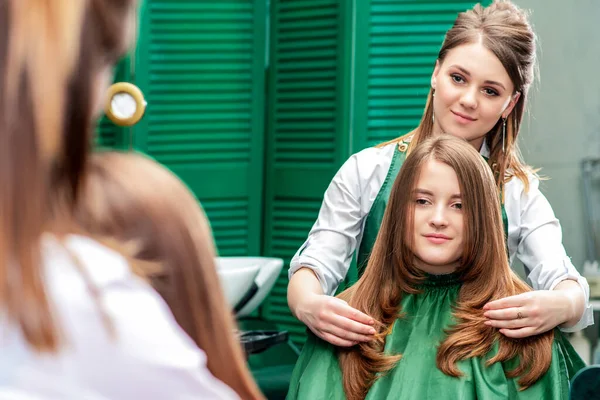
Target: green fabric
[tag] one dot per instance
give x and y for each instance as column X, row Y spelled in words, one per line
column 317, row 374
column 375, row 217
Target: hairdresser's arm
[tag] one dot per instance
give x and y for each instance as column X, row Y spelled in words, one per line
column 575, row 299
column 330, row 318
column 541, row 310
column 323, row 260
column 334, row 236
column 561, row 296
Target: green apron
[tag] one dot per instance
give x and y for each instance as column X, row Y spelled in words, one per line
column 375, row 217
column 317, row 375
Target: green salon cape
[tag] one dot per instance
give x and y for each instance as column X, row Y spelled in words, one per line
column 317, row 375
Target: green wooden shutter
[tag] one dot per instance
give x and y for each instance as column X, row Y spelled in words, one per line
column 200, row 64
column 307, row 135
column 397, row 42
column 107, row 134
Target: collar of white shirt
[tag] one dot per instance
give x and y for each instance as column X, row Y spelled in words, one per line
column 485, row 150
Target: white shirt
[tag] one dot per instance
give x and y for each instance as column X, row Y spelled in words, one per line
column 150, row 357
column 534, row 233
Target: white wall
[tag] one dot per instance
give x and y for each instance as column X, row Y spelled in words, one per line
column 563, row 125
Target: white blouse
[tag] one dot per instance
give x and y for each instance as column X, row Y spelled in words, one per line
column 534, row 233
column 150, row 357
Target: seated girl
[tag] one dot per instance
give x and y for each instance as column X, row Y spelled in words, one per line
column 439, row 258
column 144, row 211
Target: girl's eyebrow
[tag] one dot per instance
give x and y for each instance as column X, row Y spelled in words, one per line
column 430, row 193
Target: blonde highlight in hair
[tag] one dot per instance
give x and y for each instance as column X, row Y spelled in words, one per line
column 132, row 200
column 484, row 270
column 43, row 46
column 38, row 51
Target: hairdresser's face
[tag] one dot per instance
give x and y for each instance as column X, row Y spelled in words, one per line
column 438, row 219
column 472, row 92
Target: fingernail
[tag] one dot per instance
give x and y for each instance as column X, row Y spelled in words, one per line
column 371, row 322
column 485, row 314
column 488, row 323
column 372, row 331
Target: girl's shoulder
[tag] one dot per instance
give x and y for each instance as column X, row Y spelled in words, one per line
column 74, row 255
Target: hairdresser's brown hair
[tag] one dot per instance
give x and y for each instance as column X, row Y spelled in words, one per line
column 484, row 272
column 50, row 54
column 133, row 200
column 504, row 29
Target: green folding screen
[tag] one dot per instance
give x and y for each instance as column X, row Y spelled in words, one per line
column 201, row 67
column 307, row 135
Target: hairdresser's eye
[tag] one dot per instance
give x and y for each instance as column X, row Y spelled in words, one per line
column 490, row 92
column 457, row 78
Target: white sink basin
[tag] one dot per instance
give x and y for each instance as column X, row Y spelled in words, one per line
column 236, row 277
column 249, row 279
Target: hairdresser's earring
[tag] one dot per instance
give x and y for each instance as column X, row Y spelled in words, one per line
column 432, row 114
column 503, row 133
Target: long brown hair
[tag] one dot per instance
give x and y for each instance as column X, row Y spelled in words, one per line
column 133, row 200
column 484, row 272
column 504, row 29
column 50, row 55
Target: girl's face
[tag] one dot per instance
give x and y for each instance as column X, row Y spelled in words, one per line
column 438, row 237
column 472, row 92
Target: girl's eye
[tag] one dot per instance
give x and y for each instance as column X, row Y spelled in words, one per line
column 458, row 206
column 422, row 202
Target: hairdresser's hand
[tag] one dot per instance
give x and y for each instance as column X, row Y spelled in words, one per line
column 334, row 321
column 528, row 314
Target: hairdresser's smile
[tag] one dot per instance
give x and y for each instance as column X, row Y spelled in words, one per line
column 463, row 118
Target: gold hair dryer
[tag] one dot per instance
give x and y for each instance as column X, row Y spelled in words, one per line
column 125, row 104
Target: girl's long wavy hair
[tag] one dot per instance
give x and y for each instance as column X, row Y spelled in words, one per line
column 138, row 207
column 484, row 268
column 504, row 29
